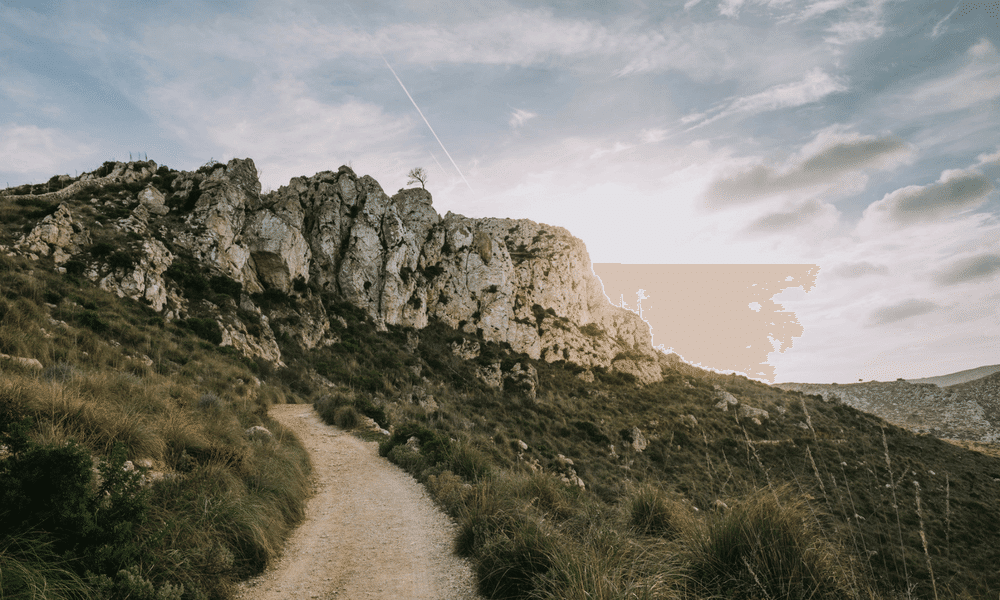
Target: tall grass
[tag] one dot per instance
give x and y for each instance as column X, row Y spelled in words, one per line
column 219, row 504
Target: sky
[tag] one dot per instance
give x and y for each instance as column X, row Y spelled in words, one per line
column 857, row 135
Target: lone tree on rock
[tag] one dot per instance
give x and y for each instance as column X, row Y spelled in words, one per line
column 417, row 175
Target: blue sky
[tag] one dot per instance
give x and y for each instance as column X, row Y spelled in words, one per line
column 859, row 135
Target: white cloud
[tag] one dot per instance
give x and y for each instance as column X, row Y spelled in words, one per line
column 833, row 157
column 974, row 268
column 811, row 212
column 287, row 131
column 520, row 117
column 912, row 307
column 814, row 86
column 975, row 81
column 860, row 269
column 40, row 151
column 956, row 191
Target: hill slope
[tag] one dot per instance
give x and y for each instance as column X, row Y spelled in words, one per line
column 959, row 377
column 578, row 462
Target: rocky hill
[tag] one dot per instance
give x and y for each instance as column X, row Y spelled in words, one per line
column 959, row 377
column 518, row 282
column 155, row 315
column 965, row 411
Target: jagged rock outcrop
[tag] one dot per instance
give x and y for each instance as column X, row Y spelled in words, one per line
column 59, row 234
column 143, row 279
column 526, row 284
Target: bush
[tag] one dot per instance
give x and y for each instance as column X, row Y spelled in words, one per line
column 469, row 462
column 652, row 513
column 48, row 492
column 763, row 546
column 188, row 276
column 206, row 329
column 346, row 417
column 434, row 446
column 209, row 401
column 221, row 284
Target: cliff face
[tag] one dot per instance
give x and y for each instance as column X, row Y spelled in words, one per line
column 515, row 281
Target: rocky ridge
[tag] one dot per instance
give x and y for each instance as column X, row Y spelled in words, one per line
column 518, row 282
column 967, row 411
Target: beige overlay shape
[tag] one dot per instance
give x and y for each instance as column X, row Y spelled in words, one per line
column 706, row 313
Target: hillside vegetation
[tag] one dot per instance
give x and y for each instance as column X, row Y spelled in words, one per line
column 566, row 481
column 818, row 501
column 199, row 505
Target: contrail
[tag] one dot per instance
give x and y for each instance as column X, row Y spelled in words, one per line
column 438, row 162
column 937, row 28
column 407, row 92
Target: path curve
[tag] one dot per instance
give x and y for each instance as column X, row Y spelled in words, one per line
column 370, row 530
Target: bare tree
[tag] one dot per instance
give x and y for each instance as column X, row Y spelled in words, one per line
column 417, row 175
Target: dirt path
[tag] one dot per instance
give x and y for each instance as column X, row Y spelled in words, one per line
column 371, row 531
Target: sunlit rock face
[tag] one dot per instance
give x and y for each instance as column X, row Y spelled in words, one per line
column 515, row 281
column 527, row 284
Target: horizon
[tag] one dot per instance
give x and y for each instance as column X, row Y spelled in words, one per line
column 855, row 135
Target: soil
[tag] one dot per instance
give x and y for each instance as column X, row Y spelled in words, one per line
column 370, row 530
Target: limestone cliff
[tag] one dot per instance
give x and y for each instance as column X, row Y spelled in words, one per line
column 515, row 281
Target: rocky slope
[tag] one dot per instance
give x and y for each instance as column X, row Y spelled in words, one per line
column 966, row 411
column 191, row 235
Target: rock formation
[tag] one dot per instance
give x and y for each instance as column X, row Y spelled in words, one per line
column 518, row 282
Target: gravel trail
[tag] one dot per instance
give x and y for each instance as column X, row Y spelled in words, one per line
column 370, row 530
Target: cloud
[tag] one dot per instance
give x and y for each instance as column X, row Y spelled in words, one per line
column 814, row 86
column 281, row 124
column 903, row 310
column 28, row 149
column 955, row 191
column 783, row 221
column 860, row 269
column 826, row 160
column 520, row 117
column 974, row 82
column 980, row 267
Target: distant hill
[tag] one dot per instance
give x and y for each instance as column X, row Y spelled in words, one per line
column 966, row 410
column 959, row 377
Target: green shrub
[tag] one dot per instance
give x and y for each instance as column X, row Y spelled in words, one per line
column 207, row 329
column 91, row 319
column 652, row 513
column 49, row 492
column 121, row 260
column 221, row 284
column 510, row 560
column 469, row 462
column 435, row 446
column 346, row 417
column 762, row 547
column 188, row 276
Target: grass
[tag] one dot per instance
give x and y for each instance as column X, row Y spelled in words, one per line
column 818, row 501
column 809, row 511
column 218, row 504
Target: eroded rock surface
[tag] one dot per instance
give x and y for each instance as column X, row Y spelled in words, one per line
column 526, row 284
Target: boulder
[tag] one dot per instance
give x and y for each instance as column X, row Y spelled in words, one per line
column 491, row 375
column 30, row 363
column 725, row 400
column 638, row 441
column 467, row 350
column 757, row 415
column 153, row 200
column 258, row 433
column 59, row 234
column 523, row 380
